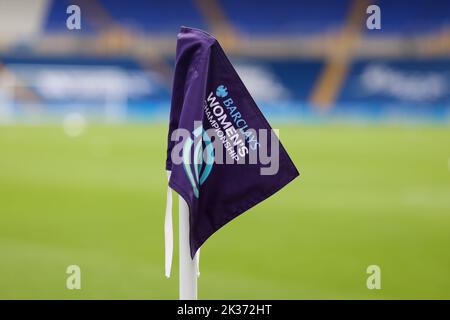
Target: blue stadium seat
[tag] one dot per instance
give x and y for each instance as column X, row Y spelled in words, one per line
column 57, row 16
column 157, row 17
column 285, row 16
column 412, row 17
column 252, row 17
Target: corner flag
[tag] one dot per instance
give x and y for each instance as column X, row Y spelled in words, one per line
column 219, row 143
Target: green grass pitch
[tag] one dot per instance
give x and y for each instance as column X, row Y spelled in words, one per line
column 376, row 194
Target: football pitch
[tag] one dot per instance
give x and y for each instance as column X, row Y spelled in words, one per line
column 367, row 195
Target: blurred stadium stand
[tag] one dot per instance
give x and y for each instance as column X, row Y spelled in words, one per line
column 301, row 59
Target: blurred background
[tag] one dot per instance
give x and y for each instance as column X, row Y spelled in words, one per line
column 364, row 114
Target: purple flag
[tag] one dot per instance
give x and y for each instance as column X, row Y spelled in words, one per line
column 219, row 143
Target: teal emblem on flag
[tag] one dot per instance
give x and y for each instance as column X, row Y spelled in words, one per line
column 221, row 91
column 202, row 167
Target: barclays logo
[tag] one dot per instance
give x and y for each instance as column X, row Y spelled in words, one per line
column 199, row 169
column 221, row 91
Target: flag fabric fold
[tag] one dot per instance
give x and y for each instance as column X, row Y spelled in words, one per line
column 211, row 103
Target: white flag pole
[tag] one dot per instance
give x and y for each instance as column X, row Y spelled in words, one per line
column 188, row 270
